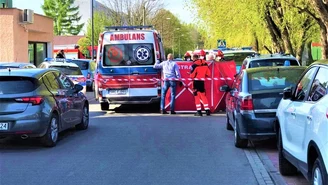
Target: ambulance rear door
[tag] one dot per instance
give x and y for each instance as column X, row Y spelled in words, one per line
column 143, row 77
column 129, row 57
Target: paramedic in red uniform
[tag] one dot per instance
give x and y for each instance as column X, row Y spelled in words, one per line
column 200, row 70
column 220, row 56
column 187, row 57
column 170, row 70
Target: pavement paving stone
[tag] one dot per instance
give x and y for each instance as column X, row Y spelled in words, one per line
column 258, row 168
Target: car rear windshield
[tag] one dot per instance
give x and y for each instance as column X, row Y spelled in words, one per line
column 128, row 54
column 271, row 62
column 17, row 85
column 273, row 79
column 68, row 70
column 84, row 65
column 237, row 57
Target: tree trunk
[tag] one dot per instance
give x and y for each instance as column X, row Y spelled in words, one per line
column 310, row 59
column 256, row 44
column 287, row 42
column 299, row 52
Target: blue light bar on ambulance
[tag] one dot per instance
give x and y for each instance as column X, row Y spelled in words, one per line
column 116, row 28
column 247, row 48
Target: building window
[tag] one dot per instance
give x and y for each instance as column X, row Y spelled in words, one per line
column 37, row 52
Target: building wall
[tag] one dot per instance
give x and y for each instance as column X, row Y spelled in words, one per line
column 16, row 36
column 6, row 35
column 85, row 11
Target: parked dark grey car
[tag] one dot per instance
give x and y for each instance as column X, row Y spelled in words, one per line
column 252, row 102
column 35, row 103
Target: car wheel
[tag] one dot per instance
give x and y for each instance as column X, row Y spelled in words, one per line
column 104, row 106
column 285, row 167
column 85, row 119
column 239, row 143
column 228, row 126
column 51, row 136
column 319, row 174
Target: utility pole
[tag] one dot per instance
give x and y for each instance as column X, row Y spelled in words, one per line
column 92, row 30
column 144, row 14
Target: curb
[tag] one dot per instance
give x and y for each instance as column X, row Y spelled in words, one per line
column 270, row 168
column 261, row 174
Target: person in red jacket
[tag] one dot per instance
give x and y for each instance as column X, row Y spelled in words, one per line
column 187, row 57
column 220, row 56
column 200, row 70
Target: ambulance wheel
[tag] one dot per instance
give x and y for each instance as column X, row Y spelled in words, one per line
column 229, row 127
column 104, row 106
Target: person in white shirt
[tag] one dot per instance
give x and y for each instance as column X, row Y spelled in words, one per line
column 170, row 70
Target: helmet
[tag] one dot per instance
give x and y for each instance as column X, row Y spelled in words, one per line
column 202, row 53
column 220, row 54
column 187, row 54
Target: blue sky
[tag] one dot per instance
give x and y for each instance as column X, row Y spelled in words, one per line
column 175, row 6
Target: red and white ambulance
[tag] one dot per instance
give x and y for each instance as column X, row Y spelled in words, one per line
column 125, row 59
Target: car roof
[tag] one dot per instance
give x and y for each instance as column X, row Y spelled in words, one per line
column 70, row 64
column 238, row 51
column 16, row 64
column 259, row 69
column 271, row 56
column 86, row 60
column 34, row 72
column 320, row 62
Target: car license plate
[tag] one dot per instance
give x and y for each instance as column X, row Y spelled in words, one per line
column 118, row 91
column 4, row 126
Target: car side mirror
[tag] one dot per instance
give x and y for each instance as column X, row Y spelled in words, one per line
column 78, row 88
column 287, row 93
column 225, row 88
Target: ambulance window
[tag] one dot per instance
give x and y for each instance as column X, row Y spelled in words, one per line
column 129, row 54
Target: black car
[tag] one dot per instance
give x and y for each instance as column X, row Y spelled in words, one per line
column 252, row 101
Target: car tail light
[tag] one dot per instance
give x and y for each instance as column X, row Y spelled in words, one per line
column 159, row 84
column 157, row 46
column 88, row 76
column 34, row 100
column 247, row 103
column 327, row 113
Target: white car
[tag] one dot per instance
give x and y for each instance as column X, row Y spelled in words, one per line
column 302, row 126
column 71, row 70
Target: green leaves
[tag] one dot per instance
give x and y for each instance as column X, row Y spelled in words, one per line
column 65, row 16
column 277, row 24
column 100, row 20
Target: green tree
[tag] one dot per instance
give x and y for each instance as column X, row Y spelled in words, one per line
column 177, row 37
column 100, row 20
column 65, row 15
column 267, row 25
column 83, row 44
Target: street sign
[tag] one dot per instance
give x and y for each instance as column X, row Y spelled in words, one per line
column 222, row 43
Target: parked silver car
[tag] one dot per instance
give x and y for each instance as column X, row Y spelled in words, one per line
column 36, row 103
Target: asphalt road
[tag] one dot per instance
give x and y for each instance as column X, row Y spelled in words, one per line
column 131, row 148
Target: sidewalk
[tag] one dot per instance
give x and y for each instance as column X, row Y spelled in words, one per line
column 268, row 154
